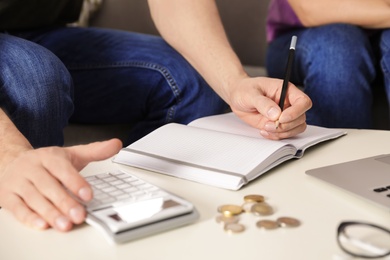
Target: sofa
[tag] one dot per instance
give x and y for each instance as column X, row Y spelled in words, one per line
column 244, row 22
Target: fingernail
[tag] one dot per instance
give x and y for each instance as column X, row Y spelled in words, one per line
column 62, row 223
column 85, row 193
column 264, row 133
column 273, row 113
column 77, row 214
column 270, row 126
column 39, row 223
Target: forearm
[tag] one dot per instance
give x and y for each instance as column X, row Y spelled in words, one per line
column 366, row 13
column 194, row 29
column 11, row 140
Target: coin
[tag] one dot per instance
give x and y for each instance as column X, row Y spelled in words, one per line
column 288, row 222
column 267, row 224
column 262, row 209
column 230, row 209
column 247, row 206
column 234, row 228
column 227, row 220
column 254, row 198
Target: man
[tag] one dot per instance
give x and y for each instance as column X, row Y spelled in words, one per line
column 117, row 77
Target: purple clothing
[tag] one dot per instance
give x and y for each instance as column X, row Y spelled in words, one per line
column 281, row 18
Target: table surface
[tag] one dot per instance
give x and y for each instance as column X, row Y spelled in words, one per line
column 319, row 206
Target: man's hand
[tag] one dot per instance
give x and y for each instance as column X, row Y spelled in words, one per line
column 33, row 184
column 255, row 101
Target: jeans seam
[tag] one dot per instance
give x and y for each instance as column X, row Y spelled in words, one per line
column 385, row 49
column 139, row 64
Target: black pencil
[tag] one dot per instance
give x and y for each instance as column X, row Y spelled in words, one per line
column 287, row 75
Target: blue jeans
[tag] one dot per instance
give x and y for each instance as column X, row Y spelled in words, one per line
column 338, row 66
column 90, row 75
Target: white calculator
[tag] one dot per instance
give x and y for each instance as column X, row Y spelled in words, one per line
column 125, row 207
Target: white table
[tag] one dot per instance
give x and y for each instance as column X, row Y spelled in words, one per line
column 320, row 207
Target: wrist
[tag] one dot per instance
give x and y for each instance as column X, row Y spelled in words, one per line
column 231, row 84
column 13, row 141
column 10, row 152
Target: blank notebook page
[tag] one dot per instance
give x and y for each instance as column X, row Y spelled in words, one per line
column 207, row 148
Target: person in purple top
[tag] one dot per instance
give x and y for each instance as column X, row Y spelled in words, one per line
column 342, row 52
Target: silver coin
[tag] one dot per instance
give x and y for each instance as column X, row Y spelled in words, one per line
column 234, row 228
column 247, row 206
column 288, row 222
column 262, row 209
column 267, row 224
column 222, row 219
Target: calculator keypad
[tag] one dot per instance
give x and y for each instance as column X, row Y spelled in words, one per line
column 117, row 187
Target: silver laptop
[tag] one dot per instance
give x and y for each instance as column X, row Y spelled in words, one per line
column 368, row 178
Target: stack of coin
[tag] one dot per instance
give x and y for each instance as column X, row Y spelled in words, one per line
column 229, row 218
column 256, row 205
column 250, row 200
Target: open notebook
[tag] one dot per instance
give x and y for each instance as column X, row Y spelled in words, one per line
column 220, row 150
column 368, row 178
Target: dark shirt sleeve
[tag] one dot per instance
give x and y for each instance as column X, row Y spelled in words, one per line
column 34, row 14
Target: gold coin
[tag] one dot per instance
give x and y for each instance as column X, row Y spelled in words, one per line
column 267, row 224
column 227, row 220
column 234, row 228
column 254, row 198
column 288, row 222
column 230, row 210
column 262, row 209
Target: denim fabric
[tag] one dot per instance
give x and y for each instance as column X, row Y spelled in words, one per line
column 337, row 65
column 118, row 77
column 35, row 90
column 384, row 49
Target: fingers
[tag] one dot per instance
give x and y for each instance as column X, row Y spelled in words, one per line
column 36, row 186
column 268, row 108
column 32, row 209
column 81, row 155
column 23, row 214
column 299, row 103
column 45, row 200
column 66, row 211
column 255, row 102
column 283, row 131
column 62, row 169
column 42, row 206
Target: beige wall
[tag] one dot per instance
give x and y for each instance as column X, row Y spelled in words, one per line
column 244, row 21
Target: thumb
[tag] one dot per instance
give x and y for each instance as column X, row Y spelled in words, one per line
column 81, row 155
column 268, row 108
